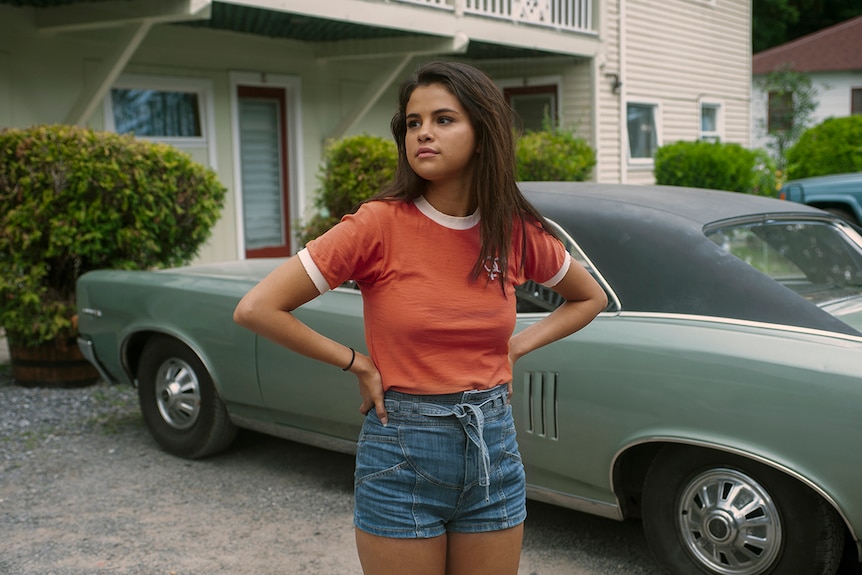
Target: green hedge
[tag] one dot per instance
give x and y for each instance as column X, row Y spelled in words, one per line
column 74, row 200
column 715, row 165
column 832, row 147
column 554, row 155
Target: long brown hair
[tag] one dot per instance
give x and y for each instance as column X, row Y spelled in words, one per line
column 494, row 190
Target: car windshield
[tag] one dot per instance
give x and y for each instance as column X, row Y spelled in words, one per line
column 819, row 260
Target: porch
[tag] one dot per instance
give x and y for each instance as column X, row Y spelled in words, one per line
column 564, row 15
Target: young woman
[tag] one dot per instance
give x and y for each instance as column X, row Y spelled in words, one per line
column 439, row 484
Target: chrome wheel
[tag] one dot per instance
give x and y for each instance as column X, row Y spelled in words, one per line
column 178, row 393
column 729, row 523
column 179, row 401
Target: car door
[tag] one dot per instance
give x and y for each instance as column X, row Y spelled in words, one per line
column 306, row 394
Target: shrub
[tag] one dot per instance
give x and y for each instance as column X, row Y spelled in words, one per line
column 73, row 200
column 767, row 178
column 711, row 165
column 832, row 147
column 553, row 155
column 353, row 169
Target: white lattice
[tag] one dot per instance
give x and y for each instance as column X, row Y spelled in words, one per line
column 538, row 11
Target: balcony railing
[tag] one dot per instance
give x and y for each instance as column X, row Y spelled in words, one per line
column 573, row 15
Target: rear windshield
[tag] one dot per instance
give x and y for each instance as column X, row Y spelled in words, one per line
column 819, row 260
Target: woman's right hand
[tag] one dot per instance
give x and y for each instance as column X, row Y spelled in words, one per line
column 370, row 386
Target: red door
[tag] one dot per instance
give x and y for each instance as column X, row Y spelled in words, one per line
column 263, row 161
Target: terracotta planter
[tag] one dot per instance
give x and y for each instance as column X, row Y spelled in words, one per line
column 54, row 364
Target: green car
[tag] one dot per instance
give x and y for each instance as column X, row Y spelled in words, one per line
column 717, row 398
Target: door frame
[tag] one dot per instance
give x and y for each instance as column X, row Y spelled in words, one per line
column 292, row 130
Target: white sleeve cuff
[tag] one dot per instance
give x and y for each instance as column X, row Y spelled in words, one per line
column 313, row 271
column 558, row 277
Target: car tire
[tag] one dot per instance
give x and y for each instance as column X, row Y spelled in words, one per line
column 693, row 518
column 179, row 402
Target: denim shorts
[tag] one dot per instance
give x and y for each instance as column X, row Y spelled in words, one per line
column 443, row 463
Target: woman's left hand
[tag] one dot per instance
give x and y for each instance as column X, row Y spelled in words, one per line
column 370, row 386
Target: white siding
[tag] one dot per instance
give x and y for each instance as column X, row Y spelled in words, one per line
column 611, row 152
column 676, row 53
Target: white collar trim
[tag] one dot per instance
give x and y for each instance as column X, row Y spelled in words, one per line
column 445, row 220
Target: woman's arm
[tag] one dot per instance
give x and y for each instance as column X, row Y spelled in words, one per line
column 267, row 310
column 584, row 297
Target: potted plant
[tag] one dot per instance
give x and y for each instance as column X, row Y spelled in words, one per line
column 73, row 200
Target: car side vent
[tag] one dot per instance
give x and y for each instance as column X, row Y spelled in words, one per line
column 540, row 404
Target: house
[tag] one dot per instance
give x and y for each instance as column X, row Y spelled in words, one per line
column 831, row 57
column 255, row 88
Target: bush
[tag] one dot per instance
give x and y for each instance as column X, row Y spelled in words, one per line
column 767, row 178
column 553, row 155
column 74, row 200
column 832, row 147
column 353, row 169
column 711, row 165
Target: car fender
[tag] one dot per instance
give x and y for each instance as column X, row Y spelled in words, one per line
column 757, row 453
column 846, row 200
column 134, row 337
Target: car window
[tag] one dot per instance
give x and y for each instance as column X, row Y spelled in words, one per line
column 819, row 260
column 535, row 298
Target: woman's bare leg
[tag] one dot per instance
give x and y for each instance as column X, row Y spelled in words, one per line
column 388, row 556
column 490, row 553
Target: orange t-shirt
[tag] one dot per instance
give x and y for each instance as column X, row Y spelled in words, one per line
column 429, row 327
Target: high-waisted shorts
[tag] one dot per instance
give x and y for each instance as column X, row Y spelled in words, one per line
column 443, row 463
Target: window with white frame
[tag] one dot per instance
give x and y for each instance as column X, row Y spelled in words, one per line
column 711, row 121
column 856, row 101
column 173, row 110
column 641, row 120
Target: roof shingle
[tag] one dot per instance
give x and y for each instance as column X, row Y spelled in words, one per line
column 837, row 48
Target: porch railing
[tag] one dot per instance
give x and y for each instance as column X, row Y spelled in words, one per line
column 574, row 15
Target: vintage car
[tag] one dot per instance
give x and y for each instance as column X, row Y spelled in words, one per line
column 717, row 398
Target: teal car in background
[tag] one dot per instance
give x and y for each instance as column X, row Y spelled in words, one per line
column 839, row 194
column 718, row 398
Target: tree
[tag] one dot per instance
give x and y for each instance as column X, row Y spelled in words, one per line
column 775, row 22
column 782, row 126
column 770, row 22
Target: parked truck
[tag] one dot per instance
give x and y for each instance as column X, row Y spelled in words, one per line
column 840, row 194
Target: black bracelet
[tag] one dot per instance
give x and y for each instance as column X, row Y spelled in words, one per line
column 352, row 357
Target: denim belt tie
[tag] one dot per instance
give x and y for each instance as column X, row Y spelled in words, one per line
column 474, row 427
column 472, row 419
column 470, row 416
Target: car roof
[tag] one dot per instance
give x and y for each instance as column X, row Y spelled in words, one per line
column 827, row 181
column 648, row 242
